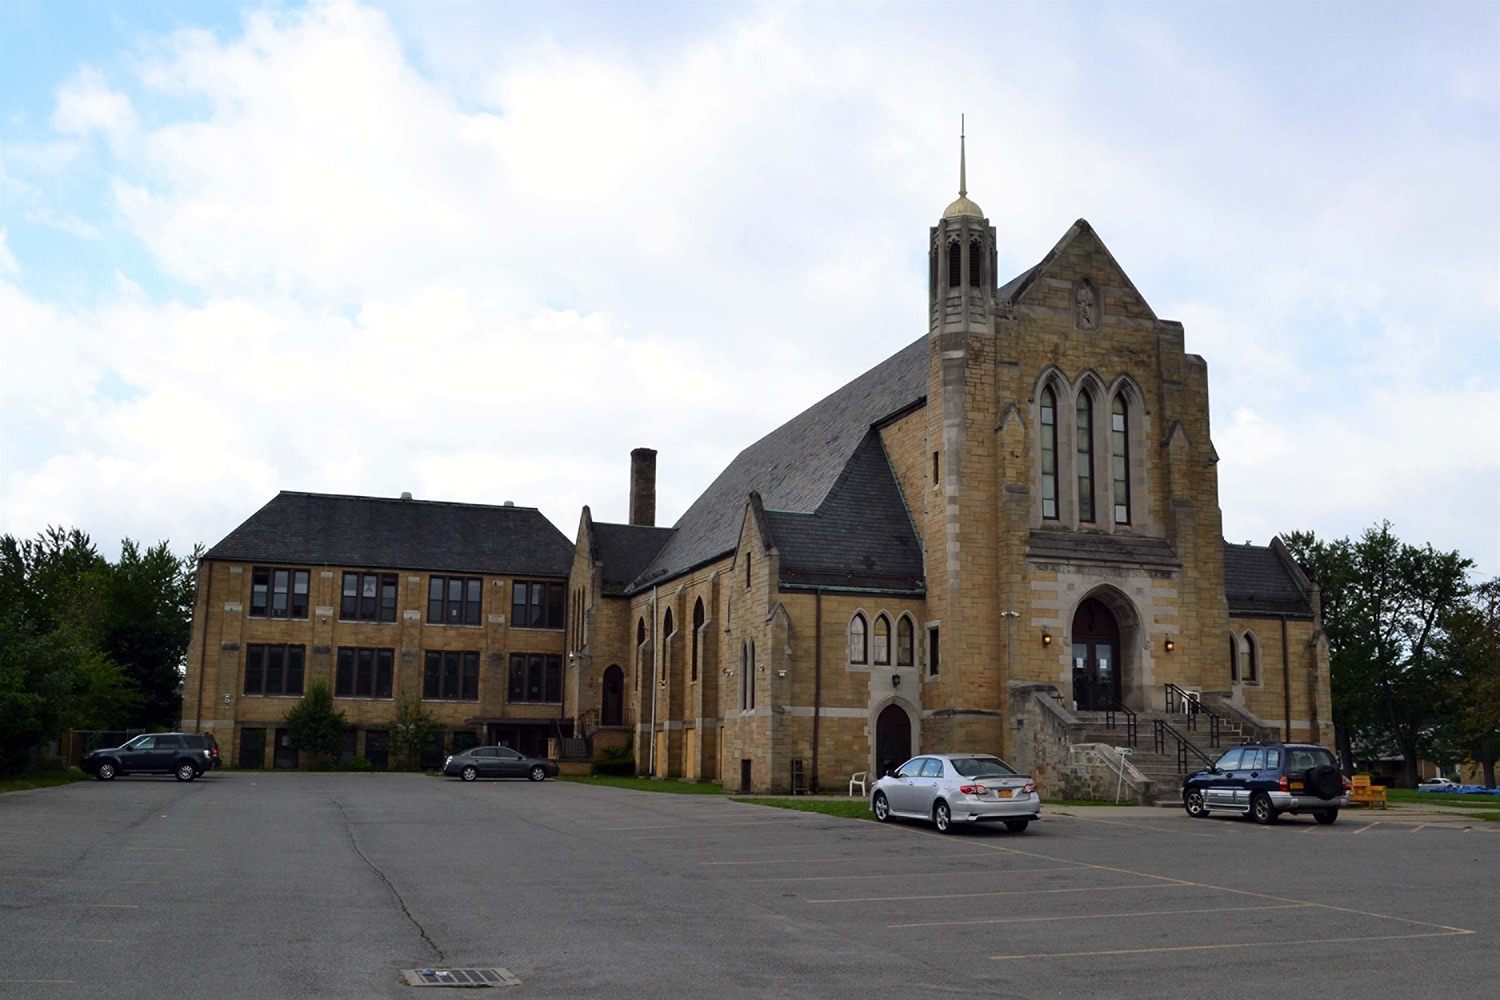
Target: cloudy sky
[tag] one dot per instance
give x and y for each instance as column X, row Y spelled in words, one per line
column 479, row 252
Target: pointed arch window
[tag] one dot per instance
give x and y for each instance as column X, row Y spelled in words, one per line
column 1119, row 442
column 955, row 263
column 697, row 627
column 1049, row 454
column 882, row 641
column 640, row 651
column 666, row 624
column 1249, row 660
column 1234, row 659
column 1085, row 431
column 976, row 264
column 858, row 640
column 905, row 642
column 744, row 675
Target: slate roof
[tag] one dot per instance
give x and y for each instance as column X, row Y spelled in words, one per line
column 860, row 538
column 625, row 550
column 323, row 529
column 795, row 466
column 1257, row 580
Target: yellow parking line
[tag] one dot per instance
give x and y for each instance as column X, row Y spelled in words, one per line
column 1364, row 828
column 1099, row 916
column 890, row 876
column 1002, row 892
column 1231, row 944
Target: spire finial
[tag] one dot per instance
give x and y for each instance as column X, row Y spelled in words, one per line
column 963, row 167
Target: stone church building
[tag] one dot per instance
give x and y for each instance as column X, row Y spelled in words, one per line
column 1005, row 537
column 1003, row 534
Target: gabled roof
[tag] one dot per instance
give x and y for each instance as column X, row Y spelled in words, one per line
column 794, row 467
column 1013, row 289
column 321, row 529
column 862, row 536
column 623, row 550
column 1258, row 580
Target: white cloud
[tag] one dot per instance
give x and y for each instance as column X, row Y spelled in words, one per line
column 86, row 104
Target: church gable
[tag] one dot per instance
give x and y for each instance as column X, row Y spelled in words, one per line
column 1080, row 275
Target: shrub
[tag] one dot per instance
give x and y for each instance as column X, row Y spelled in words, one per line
column 614, row 768
column 358, row 764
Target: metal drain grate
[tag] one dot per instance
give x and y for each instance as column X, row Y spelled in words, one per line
column 459, row 977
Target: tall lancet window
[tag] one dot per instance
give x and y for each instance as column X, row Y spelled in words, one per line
column 955, row 263
column 1049, row 455
column 976, row 263
column 1120, row 459
column 1085, row 430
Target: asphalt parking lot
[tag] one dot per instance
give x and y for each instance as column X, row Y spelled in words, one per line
column 322, row 885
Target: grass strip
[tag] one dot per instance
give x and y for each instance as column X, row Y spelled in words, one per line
column 1408, row 796
column 671, row 785
column 42, row 779
column 842, row 808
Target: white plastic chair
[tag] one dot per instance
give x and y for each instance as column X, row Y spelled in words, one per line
column 858, row 778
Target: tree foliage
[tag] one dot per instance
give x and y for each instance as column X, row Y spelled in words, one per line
column 86, row 643
column 413, row 732
column 1471, row 647
column 1385, row 603
column 313, row 725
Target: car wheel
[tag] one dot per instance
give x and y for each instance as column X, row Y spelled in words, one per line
column 185, row 772
column 538, row 773
column 1017, row 825
column 1193, row 803
column 1326, row 816
column 469, row 772
column 106, row 772
column 881, row 807
column 942, row 817
column 1261, row 809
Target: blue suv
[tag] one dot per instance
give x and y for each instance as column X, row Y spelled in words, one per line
column 1264, row 780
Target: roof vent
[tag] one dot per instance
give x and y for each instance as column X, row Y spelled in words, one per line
column 406, row 496
column 510, row 503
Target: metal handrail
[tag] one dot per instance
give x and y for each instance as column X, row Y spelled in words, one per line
column 1130, row 720
column 1161, row 729
column 1189, row 704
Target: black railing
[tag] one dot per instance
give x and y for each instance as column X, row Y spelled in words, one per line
column 1111, row 711
column 1183, row 702
column 1162, row 730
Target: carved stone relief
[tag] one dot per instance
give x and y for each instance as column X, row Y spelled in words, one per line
column 1086, row 305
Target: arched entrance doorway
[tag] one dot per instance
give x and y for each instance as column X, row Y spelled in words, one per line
column 611, row 713
column 1096, row 657
column 892, row 738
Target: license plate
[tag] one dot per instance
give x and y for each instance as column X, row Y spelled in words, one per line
column 1003, row 793
column 1296, row 786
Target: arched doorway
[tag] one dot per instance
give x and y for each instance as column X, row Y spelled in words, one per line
column 612, row 711
column 892, row 738
column 1096, row 657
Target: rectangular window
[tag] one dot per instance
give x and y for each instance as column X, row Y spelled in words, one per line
column 274, row 670
column 454, row 600
column 535, row 677
column 368, row 597
column 277, row 592
column 934, row 651
column 934, row 468
column 451, row 675
column 364, row 672
column 534, row 604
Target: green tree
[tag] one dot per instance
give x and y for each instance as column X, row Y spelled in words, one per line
column 413, row 732
column 313, row 726
column 1471, row 646
column 146, row 620
column 1384, row 602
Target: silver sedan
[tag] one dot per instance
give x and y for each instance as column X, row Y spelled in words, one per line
column 950, row 788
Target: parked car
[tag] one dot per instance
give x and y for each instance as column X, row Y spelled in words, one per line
column 950, row 788
column 1264, row 780
column 184, row 755
column 1436, row 785
column 497, row 762
column 212, row 745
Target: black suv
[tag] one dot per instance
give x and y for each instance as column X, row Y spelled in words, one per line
column 185, row 755
column 1264, row 780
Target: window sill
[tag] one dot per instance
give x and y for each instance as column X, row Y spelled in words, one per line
column 537, row 628
column 514, row 702
column 450, row 625
column 278, row 618
column 449, row 701
column 272, row 695
column 365, row 621
column 363, row 697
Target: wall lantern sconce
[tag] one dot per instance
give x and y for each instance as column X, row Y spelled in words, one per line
column 663, row 682
column 1046, row 638
column 226, row 698
column 781, row 673
column 1171, row 645
column 728, row 672
column 895, row 680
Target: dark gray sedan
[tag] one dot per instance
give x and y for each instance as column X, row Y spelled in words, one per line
column 497, row 762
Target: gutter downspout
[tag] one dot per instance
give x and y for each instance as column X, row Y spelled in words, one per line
column 1286, row 681
column 817, row 681
column 655, row 653
column 208, row 596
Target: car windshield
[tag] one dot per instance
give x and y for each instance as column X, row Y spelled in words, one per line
column 982, row 767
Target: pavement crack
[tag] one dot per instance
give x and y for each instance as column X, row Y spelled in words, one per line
column 405, row 911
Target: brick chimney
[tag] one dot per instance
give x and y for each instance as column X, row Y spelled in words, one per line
column 643, row 487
